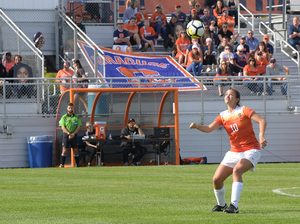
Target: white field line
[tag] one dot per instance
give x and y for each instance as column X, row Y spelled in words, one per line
column 280, row 191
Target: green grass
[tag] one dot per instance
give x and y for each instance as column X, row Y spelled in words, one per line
column 146, row 194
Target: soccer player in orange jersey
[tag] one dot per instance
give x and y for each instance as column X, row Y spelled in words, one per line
column 245, row 149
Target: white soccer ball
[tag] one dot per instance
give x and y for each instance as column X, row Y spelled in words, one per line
column 195, row 29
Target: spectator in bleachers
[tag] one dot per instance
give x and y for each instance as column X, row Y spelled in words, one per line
column 169, row 40
column 2, row 75
column 225, row 32
column 195, row 61
column 7, row 62
column 223, row 44
column 252, row 42
column 227, row 56
column 294, row 34
column 225, row 18
column 141, row 16
column 209, row 58
column 274, row 69
column 65, row 73
column 211, row 21
column 208, row 19
column 239, row 59
column 23, row 72
column 78, row 20
column 147, row 34
column 243, row 43
column 207, row 34
column 199, row 10
column 251, row 70
column 193, row 16
column 189, row 48
column 270, row 48
column 93, row 10
column 261, row 63
column 221, row 79
column 232, row 5
column 210, row 4
column 263, row 48
column 158, row 21
column 217, row 12
column 133, row 31
column 181, row 17
column 182, row 43
column 131, row 10
column 121, row 38
column 80, row 80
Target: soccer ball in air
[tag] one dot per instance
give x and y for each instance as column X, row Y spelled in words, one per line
column 195, row 29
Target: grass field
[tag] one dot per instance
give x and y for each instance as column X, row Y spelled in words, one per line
column 146, row 194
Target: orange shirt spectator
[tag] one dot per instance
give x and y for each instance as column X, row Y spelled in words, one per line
column 156, row 16
column 261, row 65
column 139, row 17
column 192, row 57
column 147, row 32
column 128, row 27
column 183, row 44
column 251, row 71
column 228, row 19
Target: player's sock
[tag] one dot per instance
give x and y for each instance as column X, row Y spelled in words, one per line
column 63, row 159
column 236, row 192
column 77, row 159
column 140, row 46
column 220, row 196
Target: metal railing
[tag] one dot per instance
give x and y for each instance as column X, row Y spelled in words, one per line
column 44, row 95
column 284, row 43
column 274, row 41
column 79, row 34
column 242, row 16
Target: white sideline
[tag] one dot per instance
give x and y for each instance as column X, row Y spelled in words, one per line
column 279, row 191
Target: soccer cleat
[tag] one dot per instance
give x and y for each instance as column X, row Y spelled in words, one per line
column 219, row 208
column 62, row 165
column 231, row 209
column 135, row 163
column 126, row 164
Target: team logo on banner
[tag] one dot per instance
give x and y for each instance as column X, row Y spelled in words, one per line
column 153, row 71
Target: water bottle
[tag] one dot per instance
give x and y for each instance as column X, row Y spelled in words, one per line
column 240, row 73
column 110, row 137
column 173, row 54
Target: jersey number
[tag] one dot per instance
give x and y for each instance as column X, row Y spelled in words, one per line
column 234, row 127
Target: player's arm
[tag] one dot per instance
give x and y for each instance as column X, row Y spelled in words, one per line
column 262, row 128
column 205, row 128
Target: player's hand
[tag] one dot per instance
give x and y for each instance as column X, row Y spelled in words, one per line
column 136, row 126
column 263, row 141
column 193, row 125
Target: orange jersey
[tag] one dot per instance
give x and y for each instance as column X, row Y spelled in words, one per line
column 139, row 17
column 228, row 20
column 9, row 65
column 128, row 27
column 238, row 126
column 191, row 57
column 147, row 32
column 261, row 65
column 183, row 45
column 251, row 72
column 155, row 16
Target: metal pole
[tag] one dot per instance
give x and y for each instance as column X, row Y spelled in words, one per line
column 270, row 13
column 75, row 44
column 284, row 15
column 56, row 40
column 96, row 63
